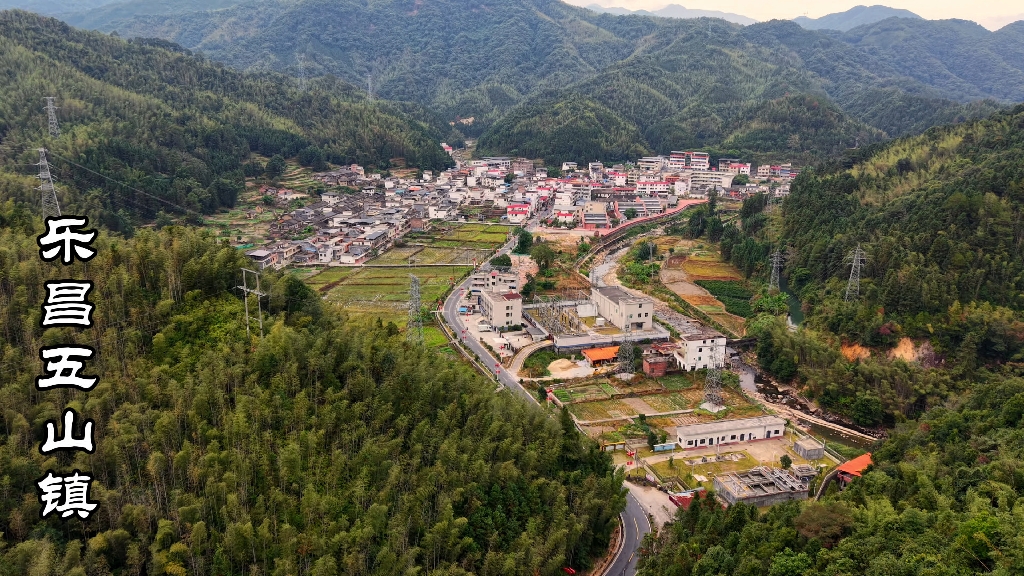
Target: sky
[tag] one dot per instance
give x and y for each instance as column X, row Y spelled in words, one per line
column 992, row 14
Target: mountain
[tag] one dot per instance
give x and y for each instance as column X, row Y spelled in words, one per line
column 149, row 114
column 854, row 17
column 676, row 82
column 92, row 18
column 327, row 446
column 675, row 11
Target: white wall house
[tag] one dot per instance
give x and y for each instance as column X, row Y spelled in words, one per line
column 501, row 310
column 711, row 434
column 696, row 351
column 623, row 309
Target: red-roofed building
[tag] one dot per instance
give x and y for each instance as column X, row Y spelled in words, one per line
column 853, row 468
column 599, row 356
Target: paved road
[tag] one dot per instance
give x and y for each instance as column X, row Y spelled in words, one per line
column 635, row 522
column 635, row 525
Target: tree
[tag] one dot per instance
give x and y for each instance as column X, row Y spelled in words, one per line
column 510, row 178
column 543, row 255
column 741, row 180
column 503, row 261
column 525, row 242
column 630, row 213
column 786, row 461
column 276, row 166
column 542, row 394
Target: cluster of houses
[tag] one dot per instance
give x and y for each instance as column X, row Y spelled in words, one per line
column 361, row 214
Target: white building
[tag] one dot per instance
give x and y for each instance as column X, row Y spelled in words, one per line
column 652, row 163
column 501, row 310
column 623, row 309
column 653, row 188
column 729, row 431
column 697, row 350
column 494, row 281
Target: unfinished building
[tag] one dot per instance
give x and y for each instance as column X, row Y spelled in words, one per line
column 762, row 486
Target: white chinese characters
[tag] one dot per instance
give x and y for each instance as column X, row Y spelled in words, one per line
column 66, row 495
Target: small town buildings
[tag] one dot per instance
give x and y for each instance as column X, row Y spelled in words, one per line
column 718, row 432
column 596, row 357
column 622, row 309
column 501, row 310
column 494, row 281
column 705, row 349
column 762, row 486
column 263, row 258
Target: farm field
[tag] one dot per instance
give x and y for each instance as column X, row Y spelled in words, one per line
column 710, row 285
column 452, row 235
column 383, row 292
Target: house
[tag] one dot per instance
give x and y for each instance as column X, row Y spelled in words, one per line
column 501, row 310
column 654, row 188
column 518, row 213
column 689, row 160
column 596, row 357
column 263, row 258
column 595, row 216
column 622, row 309
column 708, row 434
column 809, row 449
column 652, row 163
column 494, row 281
column 697, row 351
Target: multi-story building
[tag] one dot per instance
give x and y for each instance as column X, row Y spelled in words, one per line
column 689, row 161
column 652, row 163
column 494, row 281
column 655, row 188
column 701, row 350
column 502, row 310
column 622, row 309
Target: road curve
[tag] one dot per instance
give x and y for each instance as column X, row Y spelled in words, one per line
column 635, row 525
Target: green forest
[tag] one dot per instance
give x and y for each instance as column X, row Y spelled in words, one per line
column 181, row 128
column 530, row 73
column 325, row 447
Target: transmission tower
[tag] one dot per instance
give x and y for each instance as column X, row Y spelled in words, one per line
column 51, row 115
column 246, row 291
column 857, row 258
column 414, row 330
column 713, row 381
column 626, row 352
column 49, row 194
column 776, row 260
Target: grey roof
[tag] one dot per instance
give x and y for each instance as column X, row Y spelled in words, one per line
column 726, row 425
column 616, row 294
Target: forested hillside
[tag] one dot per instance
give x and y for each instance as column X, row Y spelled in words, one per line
column 325, row 448
column 944, row 499
column 175, row 125
column 940, row 218
column 678, row 83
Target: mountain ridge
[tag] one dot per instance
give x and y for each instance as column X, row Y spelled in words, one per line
column 854, row 17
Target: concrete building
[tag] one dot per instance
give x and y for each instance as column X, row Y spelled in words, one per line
column 809, row 449
column 494, row 281
column 761, row 486
column 622, row 309
column 600, row 356
column 502, row 310
column 729, row 431
column 697, row 350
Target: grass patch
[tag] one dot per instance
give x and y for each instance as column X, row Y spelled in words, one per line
column 608, row 389
column 536, row 364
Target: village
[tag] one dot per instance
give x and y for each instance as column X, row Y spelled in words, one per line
column 660, row 390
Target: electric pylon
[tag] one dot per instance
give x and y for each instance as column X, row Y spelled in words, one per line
column 776, row 259
column 246, row 291
column 51, row 116
column 713, row 381
column 414, row 330
column 49, row 194
column 857, row 258
column 626, row 352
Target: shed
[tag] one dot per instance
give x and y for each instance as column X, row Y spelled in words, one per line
column 809, row 449
column 598, row 356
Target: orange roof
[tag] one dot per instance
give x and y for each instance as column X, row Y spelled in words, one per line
column 857, row 465
column 608, row 353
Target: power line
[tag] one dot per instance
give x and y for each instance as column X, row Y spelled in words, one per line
column 857, row 258
column 776, row 259
column 713, row 381
column 51, row 209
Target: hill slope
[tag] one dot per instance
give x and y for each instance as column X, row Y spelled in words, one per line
column 325, row 447
column 854, row 17
column 176, row 125
column 675, row 11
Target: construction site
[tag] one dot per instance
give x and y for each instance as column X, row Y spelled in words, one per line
column 762, row 486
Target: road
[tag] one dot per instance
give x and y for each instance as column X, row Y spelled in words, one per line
column 454, row 319
column 635, row 525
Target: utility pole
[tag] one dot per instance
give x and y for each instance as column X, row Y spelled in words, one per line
column 857, row 258
column 49, row 194
column 776, row 259
column 246, row 291
column 51, row 116
column 414, row 330
column 626, row 351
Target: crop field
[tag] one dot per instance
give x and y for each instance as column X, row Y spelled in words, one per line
column 383, row 292
column 674, row 401
column 478, row 236
column 601, row 410
column 708, row 266
column 431, row 255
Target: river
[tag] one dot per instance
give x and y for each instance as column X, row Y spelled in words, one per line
column 796, row 313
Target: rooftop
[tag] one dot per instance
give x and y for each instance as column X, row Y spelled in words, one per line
column 598, row 354
column 856, row 466
column 616, row 294
column 724, row 425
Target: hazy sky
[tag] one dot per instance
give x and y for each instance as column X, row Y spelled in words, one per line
column 993, row 14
